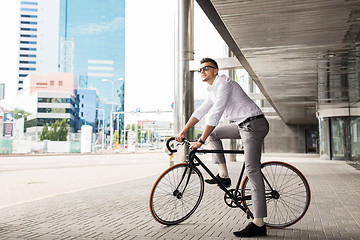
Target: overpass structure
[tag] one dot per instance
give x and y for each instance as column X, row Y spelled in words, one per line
column 303, row 55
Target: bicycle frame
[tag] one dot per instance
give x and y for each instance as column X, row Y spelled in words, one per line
column 192, row 156
column 235, row 199
column 287, row 191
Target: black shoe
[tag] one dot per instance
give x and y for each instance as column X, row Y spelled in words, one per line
column 251, row 230
column 225, row 181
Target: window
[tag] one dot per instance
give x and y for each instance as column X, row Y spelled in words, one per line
column 27, row 22
column 27, row 35
column 27, row 55
column 28, row 42
column 54, row 110
column 338, row 137
column 28, row 62
column 28, row 29
column 29, row 3
column 29, row 9
column 28, row 16
column 52, row 83
column 29, row 69
column 355, row 136
column 28, row 49
column 60, row 83
column 54, row 100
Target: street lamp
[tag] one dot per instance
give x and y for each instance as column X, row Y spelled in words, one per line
column 22, row 115
column 103, row 124
column 112, row 109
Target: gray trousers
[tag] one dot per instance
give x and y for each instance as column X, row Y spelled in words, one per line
column 252, row 134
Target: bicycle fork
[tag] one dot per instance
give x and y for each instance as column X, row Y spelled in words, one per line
column 179, row 193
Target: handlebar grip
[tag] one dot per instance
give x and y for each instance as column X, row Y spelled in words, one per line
column 172, row 150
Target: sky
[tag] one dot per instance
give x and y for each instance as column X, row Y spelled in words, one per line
column 9, row 23
column 149, row 53
column 149, row 44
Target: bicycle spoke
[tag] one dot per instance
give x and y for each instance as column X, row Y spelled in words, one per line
column 176, row 195
column 291, row 198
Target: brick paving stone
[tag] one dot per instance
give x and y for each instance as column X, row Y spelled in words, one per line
column 121, row 211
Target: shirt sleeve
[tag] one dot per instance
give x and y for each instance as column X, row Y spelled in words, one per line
column 203, row 109
column 221, row 99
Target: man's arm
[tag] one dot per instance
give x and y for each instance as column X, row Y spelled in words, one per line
column 192, row 122
column 207, row 131
column 204, row 136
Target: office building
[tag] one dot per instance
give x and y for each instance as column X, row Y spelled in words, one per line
column 48, row 98
column 87, row 106
column 50, row 107
column 86, row 38
column 92, row 37
column 39, row 34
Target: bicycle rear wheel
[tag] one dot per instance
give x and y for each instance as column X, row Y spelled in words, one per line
column 287, row 194
column 176, row 194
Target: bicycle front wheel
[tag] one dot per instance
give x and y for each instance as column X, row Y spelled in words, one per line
column 287, row 194
column 176, row 194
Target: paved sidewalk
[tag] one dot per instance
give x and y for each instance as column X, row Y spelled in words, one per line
column 121, row 211
column 29, row 178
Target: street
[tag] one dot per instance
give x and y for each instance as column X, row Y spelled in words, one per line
column 29, row 178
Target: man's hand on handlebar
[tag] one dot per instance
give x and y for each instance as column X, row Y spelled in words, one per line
column 195, row 145
column 180, row 137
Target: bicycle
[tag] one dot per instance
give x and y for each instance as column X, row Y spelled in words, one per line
column 178, row 191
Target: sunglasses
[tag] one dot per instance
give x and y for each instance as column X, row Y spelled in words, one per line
column 205, row 68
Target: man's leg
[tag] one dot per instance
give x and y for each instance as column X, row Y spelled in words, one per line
column 253, row 134
column 252, row 158
column 230, row 131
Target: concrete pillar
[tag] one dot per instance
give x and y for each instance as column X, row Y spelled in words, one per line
column 232, row 142
column 184, row 78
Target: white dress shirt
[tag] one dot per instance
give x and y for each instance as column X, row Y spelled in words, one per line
column 225, row 96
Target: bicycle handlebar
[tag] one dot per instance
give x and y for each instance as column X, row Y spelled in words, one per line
column 172, row 150
column 168, row 145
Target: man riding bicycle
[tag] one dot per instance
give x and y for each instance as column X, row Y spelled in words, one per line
column 226, row 97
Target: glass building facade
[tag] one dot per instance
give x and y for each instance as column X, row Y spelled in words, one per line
column 339, row 106
column 92, row 45
column 340, row 137
column 86, row 37
column 87, row 107
column 38, row 40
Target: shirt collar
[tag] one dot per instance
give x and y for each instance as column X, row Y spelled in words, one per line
column 211, row 87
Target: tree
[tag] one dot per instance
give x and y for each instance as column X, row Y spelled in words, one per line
column 45, row 133
column 115, row 139
column 63, row 130
column 58, row 131
column 55, row 130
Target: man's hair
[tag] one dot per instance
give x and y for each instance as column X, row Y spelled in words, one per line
column 204, row 60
